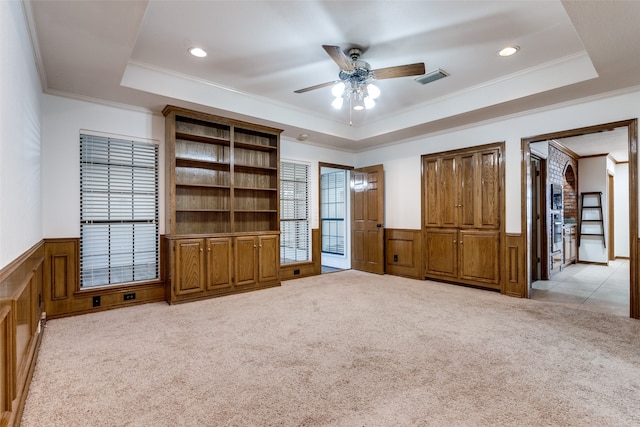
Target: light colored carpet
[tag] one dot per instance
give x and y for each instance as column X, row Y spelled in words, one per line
column 343, row 349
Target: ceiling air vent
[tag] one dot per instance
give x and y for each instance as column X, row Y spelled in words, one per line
column 432, row 76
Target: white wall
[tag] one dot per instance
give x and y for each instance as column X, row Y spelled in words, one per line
column 63, row 120
column 621, row 209
column 592, row 177
column 293, row 150
column 20, row 128
column 402, row 161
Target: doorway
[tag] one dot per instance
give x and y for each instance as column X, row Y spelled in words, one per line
column 630, row 130
column 335, row 212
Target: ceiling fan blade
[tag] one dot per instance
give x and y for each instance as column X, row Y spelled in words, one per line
column 339, row 57
column 416, row 69
column 319, row 86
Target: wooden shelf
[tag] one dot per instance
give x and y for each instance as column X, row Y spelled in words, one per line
column 204, row 164
column 222, row 174
column 202, row 138
column 257, row 147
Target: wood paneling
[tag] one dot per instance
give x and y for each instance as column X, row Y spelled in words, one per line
column 304, row 269
column 403, row 250
column 514, row 266
column 61, row 293
column 21, row 286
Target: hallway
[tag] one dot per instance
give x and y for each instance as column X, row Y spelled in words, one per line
column 592, row 287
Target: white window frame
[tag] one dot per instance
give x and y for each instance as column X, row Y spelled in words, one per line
column 119, row 211
column 295, row 224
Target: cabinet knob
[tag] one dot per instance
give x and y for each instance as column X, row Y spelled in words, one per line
column 254, row 246
column 455, row 241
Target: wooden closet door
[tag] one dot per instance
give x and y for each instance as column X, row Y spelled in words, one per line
column 367, row 219
column 488, row 193
column 431, row 192
column 449, row 192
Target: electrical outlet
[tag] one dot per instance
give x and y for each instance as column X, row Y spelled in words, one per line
column 296, row 271
column 96, row 301
column 395, row 258
column 129, row 297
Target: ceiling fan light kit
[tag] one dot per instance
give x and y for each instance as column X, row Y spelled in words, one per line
column 356, row 77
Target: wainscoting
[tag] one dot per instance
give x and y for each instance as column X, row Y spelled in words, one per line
column 62, row 294
column 304, row 269
column 403, row 253
column 514, row 279
column 21, row 307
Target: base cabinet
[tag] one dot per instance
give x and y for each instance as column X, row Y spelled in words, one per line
column 214, row 266
column 467, row 256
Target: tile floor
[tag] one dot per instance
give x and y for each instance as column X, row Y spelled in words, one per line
column 592, row 287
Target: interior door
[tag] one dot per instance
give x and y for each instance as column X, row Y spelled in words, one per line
column 367, row 219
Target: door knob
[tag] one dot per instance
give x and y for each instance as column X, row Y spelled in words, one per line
column 379, row 225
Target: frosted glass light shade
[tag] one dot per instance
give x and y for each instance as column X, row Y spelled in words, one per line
column 338, row 90
column 373, row 91
column 337, row 103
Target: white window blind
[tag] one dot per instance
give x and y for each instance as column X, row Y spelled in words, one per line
column 118, row 211
column 294, row 213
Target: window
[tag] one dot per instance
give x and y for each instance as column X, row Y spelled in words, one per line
column 118, row 211
column 332, row 211
column 294, row 213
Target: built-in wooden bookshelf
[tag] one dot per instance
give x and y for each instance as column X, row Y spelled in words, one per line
column 222, row 182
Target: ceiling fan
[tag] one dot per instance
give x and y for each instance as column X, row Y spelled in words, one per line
column 356, row 76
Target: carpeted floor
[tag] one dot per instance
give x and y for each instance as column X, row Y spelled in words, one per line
column 342, row 349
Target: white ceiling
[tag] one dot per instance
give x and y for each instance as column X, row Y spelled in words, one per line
column 135, row 53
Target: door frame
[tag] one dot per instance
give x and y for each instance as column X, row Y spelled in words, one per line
column 347, row 246
column 632, row 131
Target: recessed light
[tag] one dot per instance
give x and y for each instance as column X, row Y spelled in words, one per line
column 303, row 137
column 198, row 52
column 509, row 50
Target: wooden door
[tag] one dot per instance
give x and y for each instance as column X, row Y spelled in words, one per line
column 367, row 219
column 449, row 192
column 469, row 190
column 487, row 207
column 246, row 259
column 219, row 263
column 268, row 258
column 441, row 252
column 188, row 271
column 479, row 254
column 431, row 192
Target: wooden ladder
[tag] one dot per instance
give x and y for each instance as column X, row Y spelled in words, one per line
column 597, row 208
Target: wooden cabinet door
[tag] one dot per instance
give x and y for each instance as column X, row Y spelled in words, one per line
column 487, row 206
column 188, row 271
column 431, row 192
column 449, row 192
column 219, row 263
column 246, row 260
column 468, row 187
column 479, row 253
column 441, row 255
column 268, row 258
